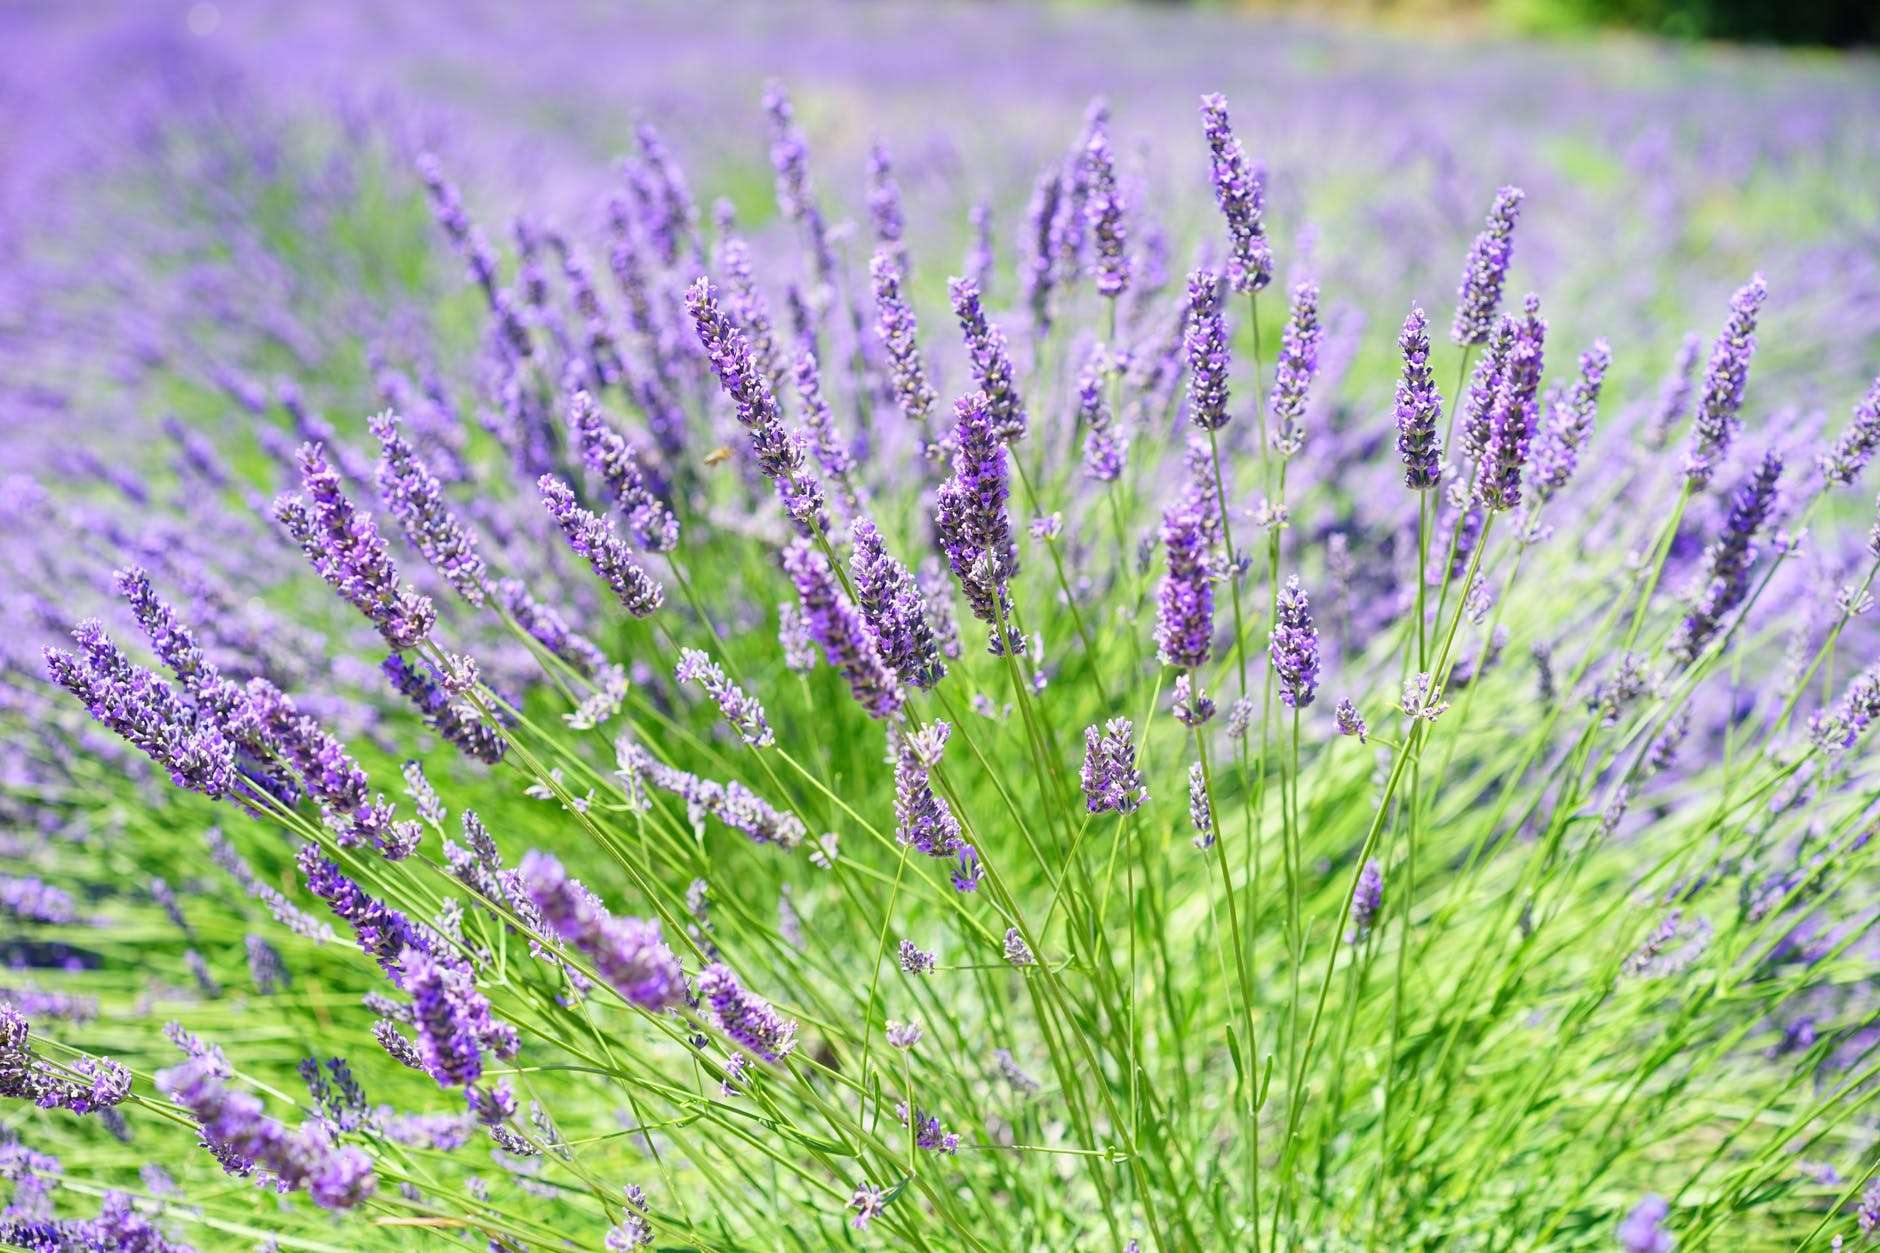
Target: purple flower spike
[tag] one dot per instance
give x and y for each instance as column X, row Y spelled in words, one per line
column 1292, row 375
column 1842, row 464
column 1513, row 415
column 1643, row 1231
column 751, row 1022
column 346, row 549
column 1295, row 648
column 1200, row 812
column 744, row 713
column 1040, row 258
column 1105, row 446
column 991, row 363
column 628, row 953
column 1349, row 721
column 896, row 325
column 1103, row 212
column 460, row 724
column 967, row 872
column 884, row 203
column 1112, row 784
column 896, row 611
column 731, row 803
column 416, row 500
column 972, row 523
column 1486, row 270
column 1205, row 342
column 845, row 637
column 649, row 522
column 444, row 1008
column 1724, row 380
column 1240, row 189
column 1570, row 417
column 1725, row 579
column 923, row 820
column 592, row 537
column 1419, row 405
column 778, row 455
column 1365, row 900
column 1184, row 629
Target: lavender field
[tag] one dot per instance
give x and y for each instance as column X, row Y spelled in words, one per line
column 781, row 627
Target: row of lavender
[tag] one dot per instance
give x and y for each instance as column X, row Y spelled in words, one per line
column 1296, row 1007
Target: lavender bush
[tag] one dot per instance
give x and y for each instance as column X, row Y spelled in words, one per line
column 835, row 683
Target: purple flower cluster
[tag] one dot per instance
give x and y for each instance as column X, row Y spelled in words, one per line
column 731, row 803
column 1184, row 628
column 1365, row 900
column 1512, row 415
column 1725, row 579
column 650, row 523
column 972, row 524
column 1205, row 342
column 1487, row 270
column 629, row 953
column 83, row 1085
column 990, row 361
column 593, row 537
column 1240, row 189
column 1570, row 414
column 1292, row 375
column 1103, row 212
column 1419, row 405
column 458, row 723
column 923, row 820
column 743, row 712
column 751, row 1022
column 896, row 325
column 416, row 500
column 1724, row 380
column 894, row 608
column 1294, row 648
column 846, row 638
column 1111, row 782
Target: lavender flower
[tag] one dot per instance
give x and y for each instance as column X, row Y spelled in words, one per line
column 593, row 537
column 1017, row 952
column 628, row 953
column 1365, row 900
column 1724, row 380
column 1642, row 1231
column 1105, row 447
column 1570, row 417
column 967, row 872
column 744, row 713
column 460, row 724
column 972, row 524
column 1200, row 808
column 897, row 327
column 1184, row 629
column 1486, row 270
column 1190, row 703
column 445, row 1008
column 896, row 611
column 1294, row 648
column 1111, row 782
column 1674, row 394
column 904, row 1035
column 731, row 803
column 923, row 820
column 1725, row 579
column 1292, row 375
column 915, row 960
column 1834, row 731
column 991, row 363
column 346, row 550
column 1419, row 404
column 1842, row 464
column 1040, row 265
column 1240, row 189
column 416, row 500
column 650, row 523
column 867, row 1203
column 1205, row 342
column 1103, row 212
column 778, row 455
column 852, row 648
column 1349, row 721
column 748, row 1019
column 100, row 1084
column 1512, row 416
column 980, row 262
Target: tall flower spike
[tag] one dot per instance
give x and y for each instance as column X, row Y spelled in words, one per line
column 1513, row 415
column 1111, row 782
column 751, row 1022
column 1239, row 188
column 973, row 526
column 1103, row 212
column 980, row 261
column 1365, row 900
column 1674, row 394
column 1842, row 464
column 1200, row 812
column 461, row 725
column 1724, row 380
column 751, row 310
column 592, row 537
column 1292, row 375
column 991, row 363
column 1419, row 405
column 1040, row 263
column 884, row 204
column 844, row 635
column 650, row 523
column 1478, row 404
column 346, row 550
column 1725, row 580
column 628, row 953
column 896, row 611
column 1184, row 629
column 1105, row 447
column 896, row 325
column 1205, row 342
column 1486, row 270
column 744, row 713
column 416, row 500
column 1295, row 648
column 778, row 455
column 1570, row 416
column 923, row 820
column 731, row 803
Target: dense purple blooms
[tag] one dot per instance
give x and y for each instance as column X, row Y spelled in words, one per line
column 731, row 803
column 1725, row 578
column 83, row 1085
column 628, row 953
column 1570, row 414
column 1103, row 212
column 416, row 500
column 1239, row 188
column 1105, row 446
column 1292, row 374
column 650, row 523
column 896, row 325
column 1512, row 415
column 593, row 537
column 751, row 1022
column 1040, row 261
column 1724, row 380
column 1486, row 270
column 1419, row 405
column 1642, row 1230
column 884, row 204
column 990, row 361
column 1111, row 782
column 1674, row 394
column 923, row 820
column 1200, row 807
column 348, row 552
column 895, row 610
column 1843, row 463
column 851, row 646
column 1295, row 648
column 461, row 724
column 1365, row 900
column 1205, row 342
column 445, row 1008
column 972, row 524
column 1184, row 629
column 1835, row 730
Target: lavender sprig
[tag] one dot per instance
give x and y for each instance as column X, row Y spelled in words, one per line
column 1724, row 380
column 593, row 537
column 1240, row 190
column 1486, row 270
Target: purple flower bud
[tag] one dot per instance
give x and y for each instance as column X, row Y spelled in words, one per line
column 1191, row 705
column 1200, row 812
column 973, row 526
column 593, row 537
column 991, row 363
column 897, row 326
column 1103, row 212
column 1365, row 900
column 1512, row 415
column 416, row 500
column 1240, row 189
column 1834, row 731
column 884, row 203
column 923, row 820
column 1040, row 262
column 1294, row 648
column 1112, row 784
column 1419, row 404
column 894, row 608
column 744, row 713
column 1724, row 380
column 649, row 522
column 628, row 953
column 1205, row 342
column 980, row 262
column 1105, row 447
column 1292, row 375
column 1642, row 1231
column 1017, row 952
column 731, row 803
column 1349, row 721
column 1570, row 415
column 1184, row 628
column 967, row 872
column 751, row 1022
column 914, row 959
column 1843, row 463
column 462, row 725
column 1486, row 270
column 1725, row 579
column 847, row 641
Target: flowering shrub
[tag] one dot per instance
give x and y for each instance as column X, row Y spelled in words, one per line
column 730, row 733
